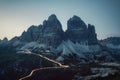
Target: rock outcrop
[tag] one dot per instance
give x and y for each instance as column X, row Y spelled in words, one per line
column 78, row 31
column 50, row 33
column 92, row 36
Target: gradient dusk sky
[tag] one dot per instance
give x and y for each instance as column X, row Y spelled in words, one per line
column 18, row 15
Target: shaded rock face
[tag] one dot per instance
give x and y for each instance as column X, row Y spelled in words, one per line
column 4, row 41
column 92, row 36
column 50, row 33
column 14, row 39
column 52, row 74
column 76, row 23
column 31, row 34
column 78, row 31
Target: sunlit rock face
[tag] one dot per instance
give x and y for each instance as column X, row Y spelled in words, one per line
column 50, row 33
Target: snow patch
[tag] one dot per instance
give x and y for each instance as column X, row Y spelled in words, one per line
column 60, row 58
column 32, row 45
column 111, row 64
column 29, row 45
column 103, row 72
column 68, row 47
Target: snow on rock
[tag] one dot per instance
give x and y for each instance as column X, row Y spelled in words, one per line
column 103, row 72
column 84, row 52
column 63, row 48
column 39, row 46
column 60, row 58
column 27, row 51
column 68, row 47
column 111, row 64
column 29, row 45
column 82, row 48
column 32, row 45
column 96, row 73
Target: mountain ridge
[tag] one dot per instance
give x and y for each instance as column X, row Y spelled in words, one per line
column 51, row 33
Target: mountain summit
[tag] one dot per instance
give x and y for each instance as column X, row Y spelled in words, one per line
column 52, row 34
column 78, row 31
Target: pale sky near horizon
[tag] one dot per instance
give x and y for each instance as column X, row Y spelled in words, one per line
column 18, row 15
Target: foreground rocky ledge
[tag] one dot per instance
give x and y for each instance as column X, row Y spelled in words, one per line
column 52, row 73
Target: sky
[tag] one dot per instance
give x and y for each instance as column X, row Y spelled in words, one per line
column 18, row 15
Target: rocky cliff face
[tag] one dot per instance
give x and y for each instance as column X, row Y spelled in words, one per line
column 92, row 36
column 50, row 33
column 78, row 31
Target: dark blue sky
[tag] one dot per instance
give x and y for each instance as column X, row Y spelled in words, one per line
column 17, row 15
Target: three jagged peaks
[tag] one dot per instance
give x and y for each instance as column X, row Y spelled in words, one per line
column 52, row 34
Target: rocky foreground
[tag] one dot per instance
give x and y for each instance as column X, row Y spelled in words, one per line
column 78, row 71
column 88, row 71
column 52, row 74
column 20, row 65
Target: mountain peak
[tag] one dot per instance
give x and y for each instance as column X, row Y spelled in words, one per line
column 52, row 22
column 32, row 27
column 76, row 23
column 75, row 17
column 5, row 39
column 52, row 17
column 52, row 34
